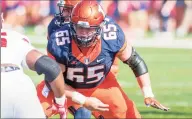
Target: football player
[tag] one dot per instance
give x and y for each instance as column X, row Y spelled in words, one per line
column 18, row 93
column 86, row 52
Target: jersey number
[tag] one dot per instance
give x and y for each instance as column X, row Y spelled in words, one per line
column 3, row 40
column 62, row 37
column 110, row 32
column 96, row 73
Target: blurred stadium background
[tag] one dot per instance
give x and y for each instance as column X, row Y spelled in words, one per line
column 161, row 31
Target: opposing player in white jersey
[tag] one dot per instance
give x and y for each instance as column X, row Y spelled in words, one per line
column 18, row 93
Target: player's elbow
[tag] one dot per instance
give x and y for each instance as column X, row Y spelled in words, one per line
column 48, row 67
column 137, row 64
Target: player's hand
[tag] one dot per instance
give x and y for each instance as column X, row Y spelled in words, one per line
column 95, row 104
column 58, row 109
column 150, row 101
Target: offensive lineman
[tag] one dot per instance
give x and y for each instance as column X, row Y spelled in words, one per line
column 88, row 55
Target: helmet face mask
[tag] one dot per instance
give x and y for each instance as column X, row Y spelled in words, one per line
column 85, row 37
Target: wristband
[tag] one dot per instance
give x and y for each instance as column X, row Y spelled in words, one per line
column 78, row 98
column 61, row 100
column 147, row 92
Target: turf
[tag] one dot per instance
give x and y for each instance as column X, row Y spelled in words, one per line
column 171, row 75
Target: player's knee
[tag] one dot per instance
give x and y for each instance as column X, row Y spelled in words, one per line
column 118, row 108
column 82, row 113
column 117, row 103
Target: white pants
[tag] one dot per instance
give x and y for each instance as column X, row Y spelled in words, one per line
column 19, row 97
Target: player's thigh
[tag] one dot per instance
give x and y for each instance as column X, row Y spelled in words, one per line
column 115, row 99
column 111, row 93
column 46, row 97
column 43, row 93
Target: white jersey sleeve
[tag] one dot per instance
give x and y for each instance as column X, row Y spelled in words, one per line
column 16, row 47
column 26, row 49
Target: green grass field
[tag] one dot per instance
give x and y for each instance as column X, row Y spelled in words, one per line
column 171, row 77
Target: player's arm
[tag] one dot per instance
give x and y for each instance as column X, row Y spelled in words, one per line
column 130, row 57
column 42, row 64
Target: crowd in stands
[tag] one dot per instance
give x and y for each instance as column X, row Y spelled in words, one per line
column 136, row 16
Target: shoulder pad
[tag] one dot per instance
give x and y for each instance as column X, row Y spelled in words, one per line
column 108, row 19
column 113, row 36
column 59, row 44
column 53, row 26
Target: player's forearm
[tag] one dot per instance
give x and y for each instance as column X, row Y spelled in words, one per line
column 145, row 85
column 57, row 86
column 74, row 96
column 68, row 91
column 42, row 64
column 58, row 89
